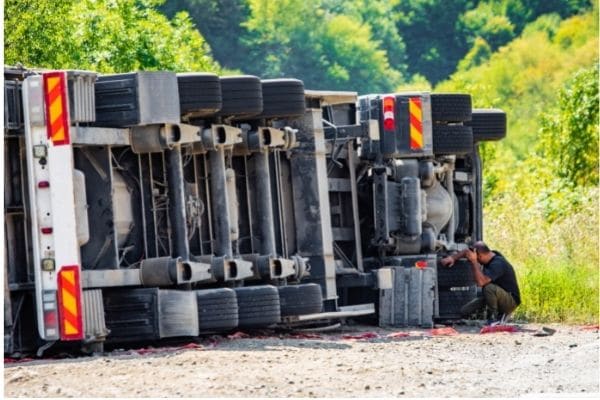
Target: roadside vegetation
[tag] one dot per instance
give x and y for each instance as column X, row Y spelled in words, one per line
column 541, row 182
column 535, row 59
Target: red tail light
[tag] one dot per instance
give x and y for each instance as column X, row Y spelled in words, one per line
column 389, row 113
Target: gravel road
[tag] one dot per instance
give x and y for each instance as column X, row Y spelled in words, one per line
column 384, row 363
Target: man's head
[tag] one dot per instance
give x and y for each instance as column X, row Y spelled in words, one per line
column 484, row 254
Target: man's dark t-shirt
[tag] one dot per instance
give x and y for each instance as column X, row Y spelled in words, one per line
column 502, row 274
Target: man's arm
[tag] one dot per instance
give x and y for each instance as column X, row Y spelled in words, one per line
column 480, row 278
column 449, row 261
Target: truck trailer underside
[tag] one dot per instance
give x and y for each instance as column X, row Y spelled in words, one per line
column 152, row 205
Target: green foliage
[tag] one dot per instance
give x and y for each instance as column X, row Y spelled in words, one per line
column 433, row 44
column 548, row 23
column 298, row 38
column 220, row 22
column 398, row 39
column 485, row 22
column 417, row 82
column 540, row 184
column 285, row 36
column 556, row 263
column 569, row 139
column 439, row 33
column 365, row 66
column 34, row 32
column 521, row 12
column 105, row 36
column 525, row 75
column 479, row 53
column 379, row 16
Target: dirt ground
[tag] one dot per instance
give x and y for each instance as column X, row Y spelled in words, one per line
column 354, row 361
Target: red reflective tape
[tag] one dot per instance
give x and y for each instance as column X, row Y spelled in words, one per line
column 416, row 101
column 57, row 124
column 68, row 286
column 69, row 304
column 415, row 123
column 70, row 318
column 54, row 94
column 414, row 144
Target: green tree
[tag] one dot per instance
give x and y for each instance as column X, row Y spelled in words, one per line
column 380, row 17
column 570, row 136
column 35, row 32
column 525, row 76
column 485, row 22
column 429, row 29
column 220, row 22
column 359, row 63
column 479, row 53
column 106, row 36
column 300, row 39
column 521, row 12
column 439, row 33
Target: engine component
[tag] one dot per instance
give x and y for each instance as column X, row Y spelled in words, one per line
column 122, row 211
column 439, row 206
column 411, row 207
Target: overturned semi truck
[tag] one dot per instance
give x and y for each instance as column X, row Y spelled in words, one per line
column 153, row 205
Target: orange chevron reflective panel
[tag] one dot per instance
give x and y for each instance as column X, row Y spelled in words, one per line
column 416, row 123
column 57, row 112
column 69, row 301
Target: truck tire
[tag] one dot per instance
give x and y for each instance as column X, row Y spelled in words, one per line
column 217, row 309
column 283, row 98
column 460, row 274
column 199, row 94
column 242, row 96
column 488, row 124
column 300, row 299
column 450, row 107
column 452, row 139
column 258, row 306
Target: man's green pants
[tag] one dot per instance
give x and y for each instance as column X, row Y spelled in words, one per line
column 498, row 300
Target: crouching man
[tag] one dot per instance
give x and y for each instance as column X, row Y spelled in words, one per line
column 497, row 278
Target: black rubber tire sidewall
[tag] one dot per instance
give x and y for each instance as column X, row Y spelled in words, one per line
column 199, row 94
column 488, row 124
column 217, row 309
column 452, row 139
column 242, row 96
column 283, row 98
column 258, row 306
column 300, row 299
column 450, row 107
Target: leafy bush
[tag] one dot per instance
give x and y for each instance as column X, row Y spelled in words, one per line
column 569, row 139
column 541, row 183
column 104, row 36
